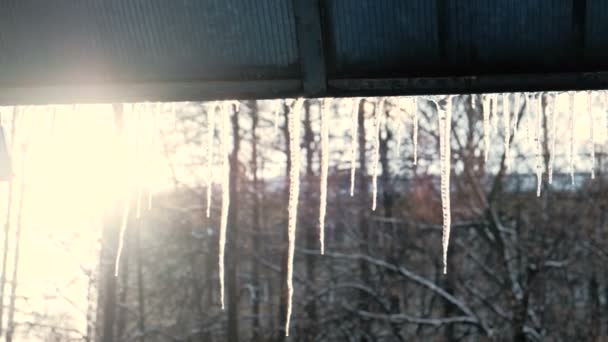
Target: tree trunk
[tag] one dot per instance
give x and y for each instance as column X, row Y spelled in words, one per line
column 232, row 247
column 255, row 308
column 11, row 309
column 7, row 222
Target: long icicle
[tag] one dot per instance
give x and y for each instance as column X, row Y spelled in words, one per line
column 486, row 126
column 225, row 126
column 571, row 124
column 379, row 113
column 324, row 168
column 537, row 141
column 592, row 133
column 445, row 127
column 507, row 129
column 552, row 135
column 354, row 123
column 294, row 191
column 210, row 137
column 415, row 129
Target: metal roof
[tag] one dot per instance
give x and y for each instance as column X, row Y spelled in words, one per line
column 136, row 50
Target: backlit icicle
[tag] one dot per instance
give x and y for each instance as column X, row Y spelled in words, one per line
column 415, row 129
column 354, row 123
column 225, row 126
column 294, row 191
column 552, row 134
column 324, row 169
column 537, row 137
column 210, row 136
column 377, row 123
column 591, row 133
column 473, row 105
column 486, row 126
column 445, row 127
column 571, row 124
column 507, row 132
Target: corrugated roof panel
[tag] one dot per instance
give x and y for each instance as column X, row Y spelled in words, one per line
column 596, row 38
column 146, row 40
column 380, row 36
column 501, row 35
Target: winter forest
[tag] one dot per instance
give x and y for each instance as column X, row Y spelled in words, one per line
column 430, row 218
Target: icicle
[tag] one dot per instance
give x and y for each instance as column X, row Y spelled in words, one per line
column 399, row 118
column 324, row 168
column 516, row 109
column 473, row 101
column 379, row 113
column 495, row 113
column 415, row 129
column 123, row 230
column 225, row 126
column 445, row 127
column 552, row 135
column 210, row 136
column 571, row 121
column 507, row 122
column 486, row 126
column 592, row 133
column 294, row 191
column 537, row 137
column 354, row 123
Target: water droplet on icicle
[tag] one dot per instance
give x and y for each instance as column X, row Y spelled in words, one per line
column 225, row 126
column 324, row 169
column 294, row 192
column 378, row 115
column 354, row 123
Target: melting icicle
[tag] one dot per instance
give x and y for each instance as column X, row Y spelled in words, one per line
column 507, row 122
column 537, row 134
column 415, row 129
column 486, row 126
column 445, row 127
column 552, row 135
column 571, row 122
column 354, row 123
column 294, row 191
column 210, row 136
column 324, row 168
column 225, row 125
column 377, row 123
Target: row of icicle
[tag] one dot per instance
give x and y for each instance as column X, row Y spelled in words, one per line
column 444, row 107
